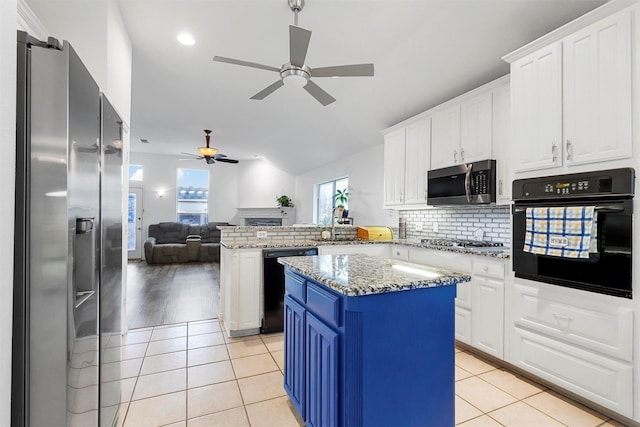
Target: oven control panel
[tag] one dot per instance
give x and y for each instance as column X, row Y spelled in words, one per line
column 610, row 182
column 568, row 187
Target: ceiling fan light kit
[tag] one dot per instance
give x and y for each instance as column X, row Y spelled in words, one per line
column 295, row 76
column 208, row 153
column 296, row 72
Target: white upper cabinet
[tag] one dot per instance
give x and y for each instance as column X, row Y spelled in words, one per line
column 572, row 99
column 462, row 133
column 597, row 91
column 394, row 151
column 406, row 161
column 476, row 128
column 462, row 130
column 445, row 137
column 536, row 102
column 417, row 137
column 501, row 146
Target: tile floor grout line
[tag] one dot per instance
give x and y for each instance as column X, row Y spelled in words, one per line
column 186, row 380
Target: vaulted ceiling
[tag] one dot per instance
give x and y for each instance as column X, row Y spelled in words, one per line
column 424, row 51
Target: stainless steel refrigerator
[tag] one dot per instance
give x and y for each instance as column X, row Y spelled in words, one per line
column 67, row 271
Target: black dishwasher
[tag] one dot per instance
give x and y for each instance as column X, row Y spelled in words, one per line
column 273, row 286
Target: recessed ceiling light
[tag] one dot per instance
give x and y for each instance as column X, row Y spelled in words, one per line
column 186, row 39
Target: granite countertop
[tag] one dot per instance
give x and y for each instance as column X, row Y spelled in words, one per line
column 359, row 274
column 268, row 244
column 493, row 252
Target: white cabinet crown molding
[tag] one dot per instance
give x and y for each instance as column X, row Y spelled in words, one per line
column 29, row 22
column 569, row 28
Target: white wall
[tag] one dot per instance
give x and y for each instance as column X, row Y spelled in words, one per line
column 365, row 172
column 119, row 59
column 7, row 177
column 160, row 173
column 260, row 183
column 97, row 33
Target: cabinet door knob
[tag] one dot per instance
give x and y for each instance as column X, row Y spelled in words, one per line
column 486, row 268
column 554, row 151
column 462, row 154
column 569, row 150
column 500, row 187
column 455, row 156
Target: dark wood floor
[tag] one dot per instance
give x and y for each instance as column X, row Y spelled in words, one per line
column 171, row 293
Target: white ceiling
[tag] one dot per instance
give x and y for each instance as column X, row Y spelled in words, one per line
column 424, row 51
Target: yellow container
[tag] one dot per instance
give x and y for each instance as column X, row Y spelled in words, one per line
column 375, row 233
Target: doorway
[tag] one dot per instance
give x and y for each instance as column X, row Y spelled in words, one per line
column 134, row 223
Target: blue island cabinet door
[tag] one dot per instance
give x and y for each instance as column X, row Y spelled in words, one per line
column 294, row 372
column 322, row 374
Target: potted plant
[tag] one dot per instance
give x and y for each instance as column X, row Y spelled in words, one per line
column 342, row 198
column 284, row 201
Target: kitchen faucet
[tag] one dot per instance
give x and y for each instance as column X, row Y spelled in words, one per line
column 333, row 223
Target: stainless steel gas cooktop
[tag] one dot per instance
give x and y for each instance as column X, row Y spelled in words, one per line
column 461, row 243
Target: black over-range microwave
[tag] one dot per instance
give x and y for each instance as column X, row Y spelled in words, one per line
column 463, row 184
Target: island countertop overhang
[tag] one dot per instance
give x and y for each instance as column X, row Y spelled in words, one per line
column 359, row 274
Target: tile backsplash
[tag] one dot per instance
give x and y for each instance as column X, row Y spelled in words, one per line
column 459, row 223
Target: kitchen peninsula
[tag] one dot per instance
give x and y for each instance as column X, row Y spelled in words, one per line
column 241, row 264
column 369, row 340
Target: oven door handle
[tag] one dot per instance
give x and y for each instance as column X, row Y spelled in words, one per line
column 611, row 208
column 605, row 209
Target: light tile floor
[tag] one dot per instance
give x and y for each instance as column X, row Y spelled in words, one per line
column 192, row 374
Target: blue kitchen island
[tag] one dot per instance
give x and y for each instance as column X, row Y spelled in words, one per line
column 369, row 341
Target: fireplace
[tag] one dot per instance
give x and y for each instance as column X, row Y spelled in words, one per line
column 263, row 222
column 266, row 216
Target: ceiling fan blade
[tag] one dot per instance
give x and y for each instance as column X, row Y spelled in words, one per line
column 319, row 94
column 245, row 63
column 218, row 155
column 298, row 45
column 268, row 90
column 195, row 156
column 356, row 70
column 209, row 160
column 227, row 160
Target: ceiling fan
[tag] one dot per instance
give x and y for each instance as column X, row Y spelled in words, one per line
column 296, row 72
column 208, row 153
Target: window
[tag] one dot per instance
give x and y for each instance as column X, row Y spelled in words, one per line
column 192, row 196
column 135, row 173
column 326, row 202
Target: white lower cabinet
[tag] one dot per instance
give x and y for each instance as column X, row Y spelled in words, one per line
column 399, row 252
column 580, row 341
column 487, row 314
column 462, row 326
column 606, row 381
column 373, row 249
column 240, row 285
column 479, row 312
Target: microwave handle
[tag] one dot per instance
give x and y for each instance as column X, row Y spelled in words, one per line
column 467, row 182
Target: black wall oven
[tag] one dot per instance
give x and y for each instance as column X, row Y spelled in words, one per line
column 608, row 269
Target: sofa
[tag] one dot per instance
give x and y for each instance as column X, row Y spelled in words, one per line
column 171, row 242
